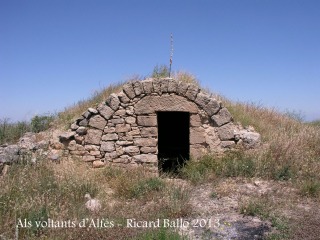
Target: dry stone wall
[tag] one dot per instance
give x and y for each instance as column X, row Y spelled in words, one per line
column 123, row 130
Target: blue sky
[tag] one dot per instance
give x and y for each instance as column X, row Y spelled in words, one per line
column 55, row 53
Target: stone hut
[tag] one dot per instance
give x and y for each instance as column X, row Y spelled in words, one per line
column 156, row 123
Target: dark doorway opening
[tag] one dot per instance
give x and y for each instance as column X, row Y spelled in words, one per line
column 173, row 140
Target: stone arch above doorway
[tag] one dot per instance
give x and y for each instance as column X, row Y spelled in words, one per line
column 123, row 130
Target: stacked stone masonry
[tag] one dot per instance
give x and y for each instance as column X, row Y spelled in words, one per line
column 123, row 130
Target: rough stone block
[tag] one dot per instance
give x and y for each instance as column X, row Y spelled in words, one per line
column 156, row 86
column 129, row 90
column 145, row 158
column 212, row 107
column 152, row 104
column 74, row 126
column 97, row 122
column 192, row 92
column 147, row 86
column 120, row 113
column 107, row 146
column 195, row 120
column 93, row 136
column 148, row 150
column 164, row 85
column 116, row 121
column 105, row 111
column 138, row 88
column 98, row 164
column 132, row 150
column 130, row 120
column 226, row 132
column 149, row 132
column 202, row 99
column 172, row 85
column 110, row 137
column 124, row 143
column 123, row 97
column 227, row 144
column 84, row 122
column 222, row 117
column 123, row 128
column 197, row 135
column 88, row 158
column 147, row 121
column 145, row 142
column 81, row 130
column 113, row 101
column 182, row 88
column 93, row 110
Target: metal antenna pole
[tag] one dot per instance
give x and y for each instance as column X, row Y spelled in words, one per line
column 171, row 54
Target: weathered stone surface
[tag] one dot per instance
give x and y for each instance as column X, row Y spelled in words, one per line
column 88, row 158
column 202, row 100
column 192, row 92
column 130, row 120
column 124, row 143
column 197, row 150
column 93, row 136
column 156, row 86
column 147, row 86
column 145, row 158
column 97, row 122
column 128, row 89
column 79, row 153
column 110, row 155
column 195, row 120
column 81, row 130
column 116, row 121
column 132, row 150
column 93, row 110
column 120, row 112
column 110, row 137
column 79, row 139
column 123, row 97
column 222, row 117
column 107, row 146
column 66, row 136
column 138, row 88
column 130, row 110
column 98, row 164
column 197, row 136
column 122, row 159
column 149, row 132
column 87, row 114
column 123, row 128
column 212, row 139
column 226, row 132
column 105, row 111
column 172, row 85
column 147, row 121
column 250, row 139
column 212, row 107
column 145, row 142
column 113, row 101
column 91, row 148
column 152, row 104
column 74, row 126
column 182, row 88
column 164, row 85
column 148, row 150
column 227, row 144
column 84, row 122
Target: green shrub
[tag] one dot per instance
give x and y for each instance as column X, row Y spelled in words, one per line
column 41, row 123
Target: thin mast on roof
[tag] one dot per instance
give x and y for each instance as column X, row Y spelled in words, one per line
column 171, row 54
